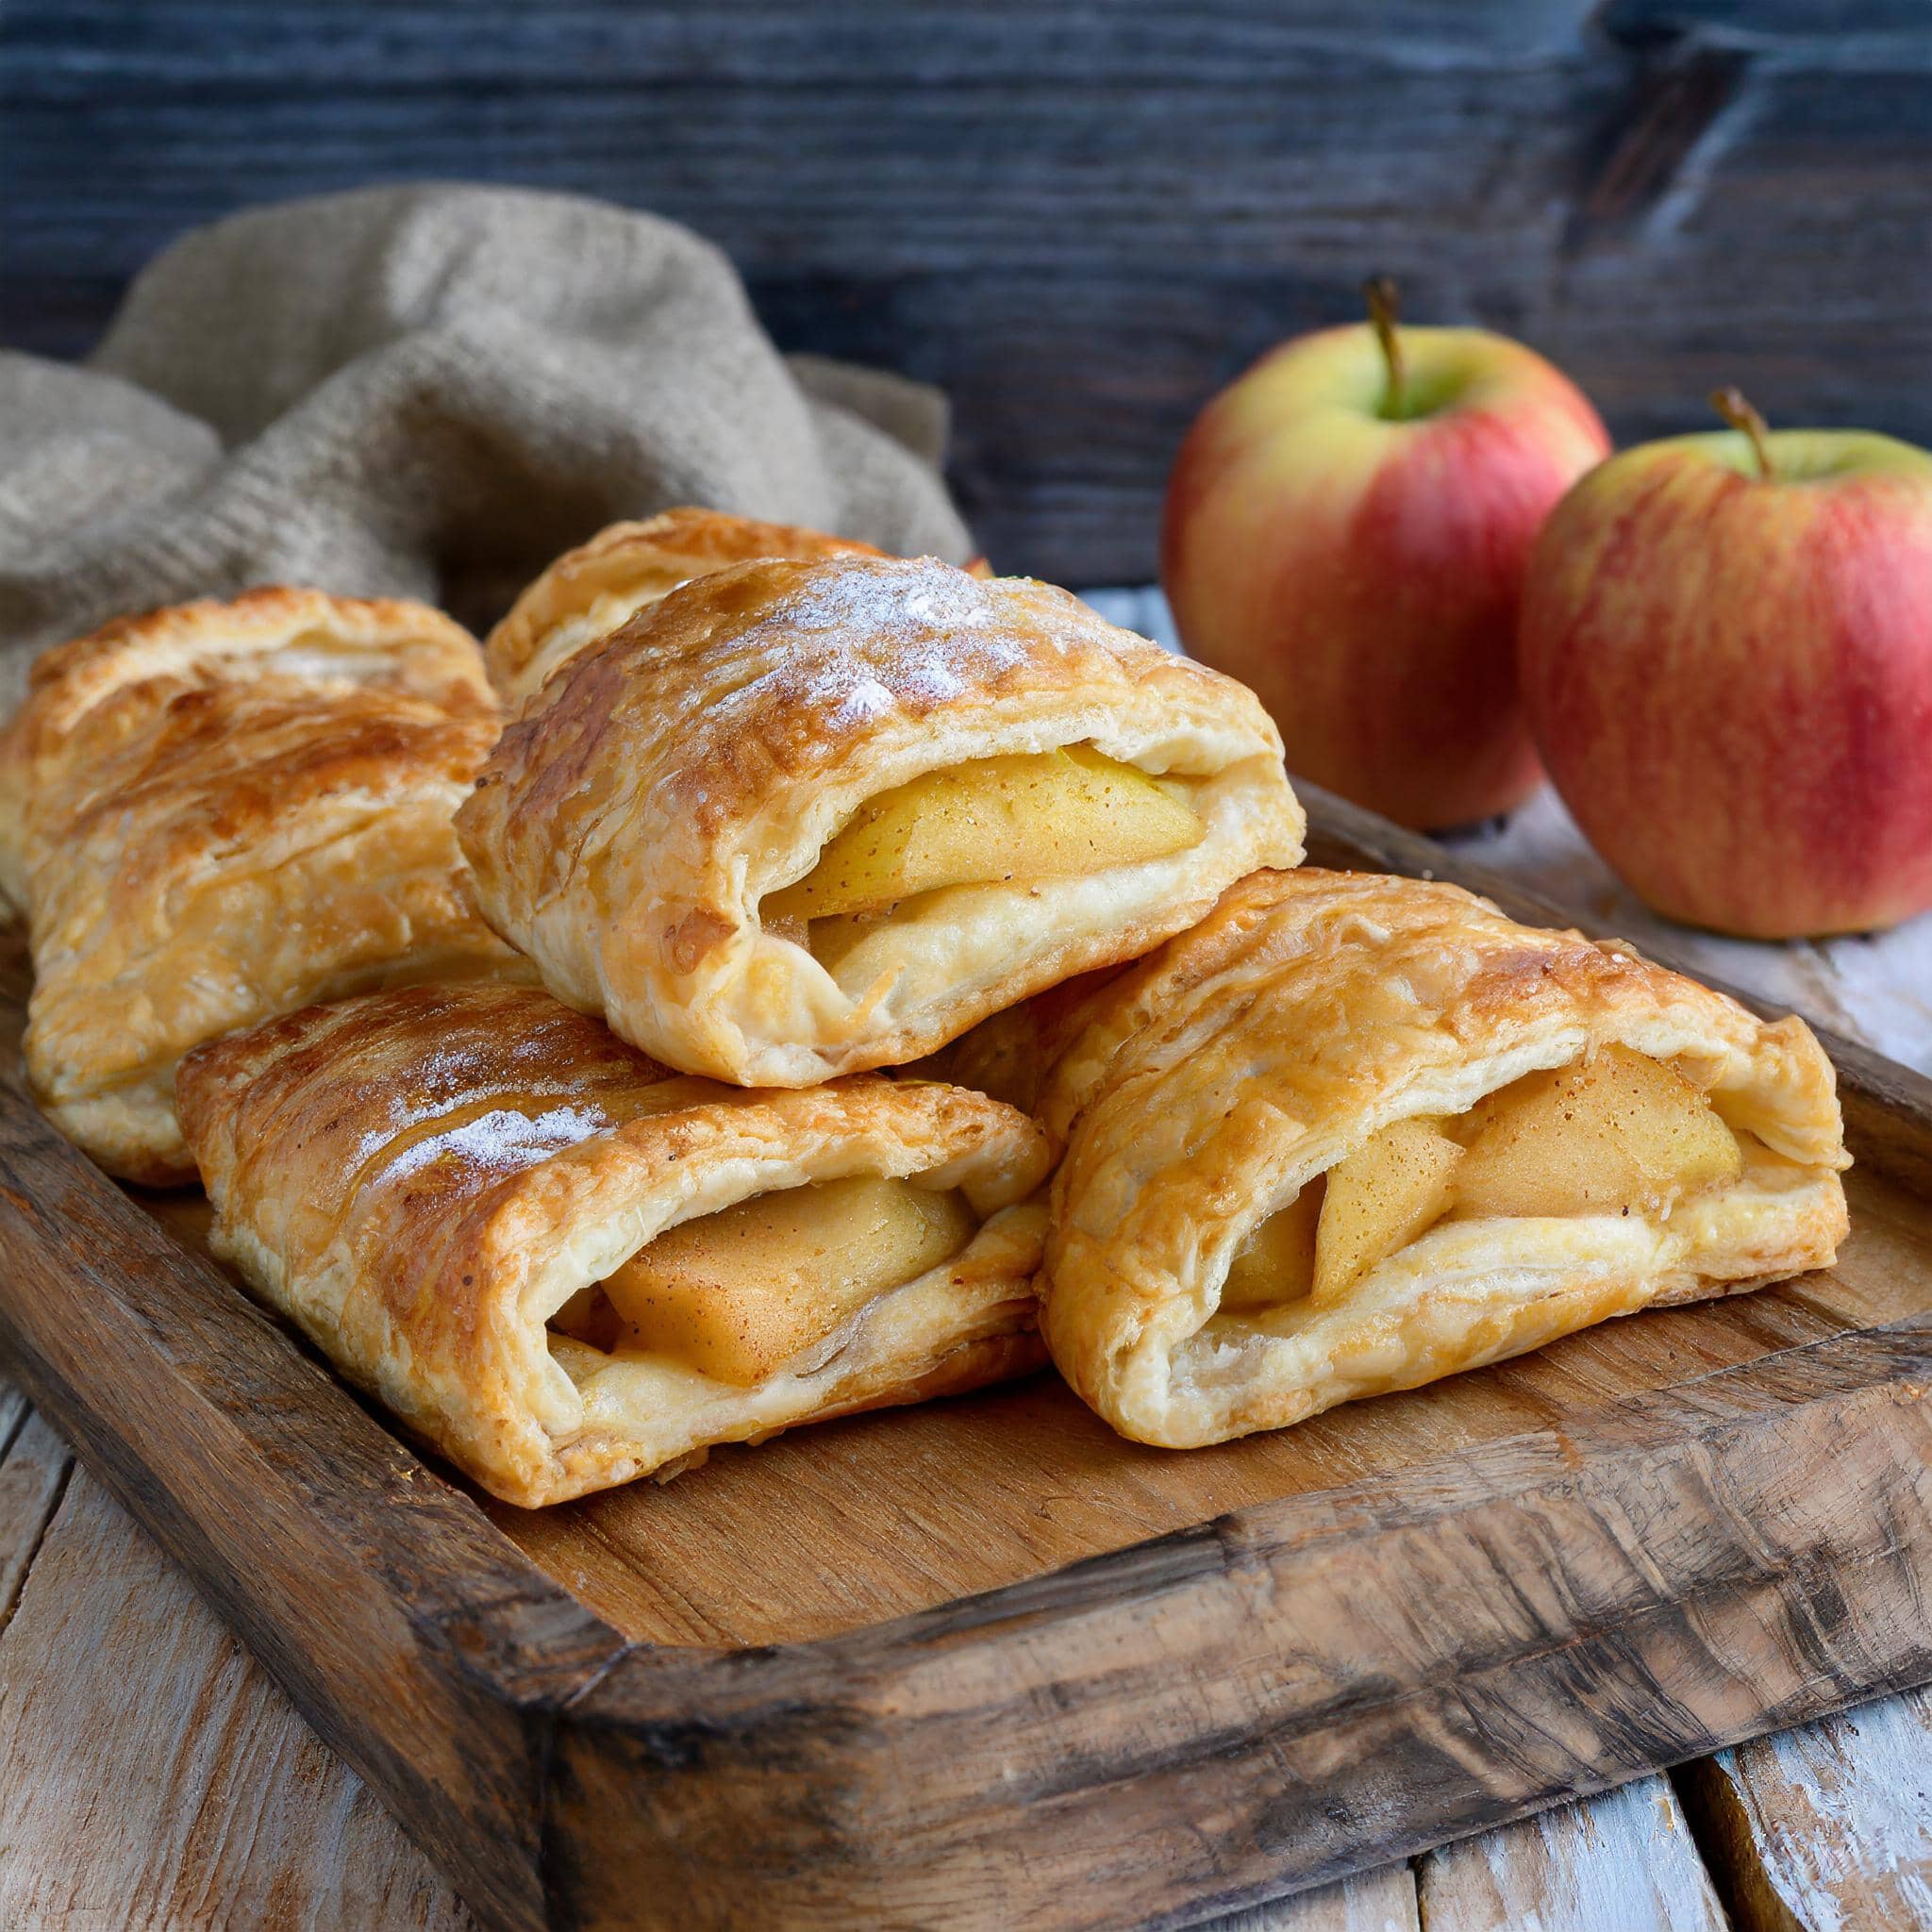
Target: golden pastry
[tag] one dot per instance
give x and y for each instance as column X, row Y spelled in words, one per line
column 204, row 853
column 569, row 1267
column 802, row 819
column 1354, row 1133
column 589, row 591
column 337, row 643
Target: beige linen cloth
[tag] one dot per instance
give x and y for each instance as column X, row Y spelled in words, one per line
column 427, row 391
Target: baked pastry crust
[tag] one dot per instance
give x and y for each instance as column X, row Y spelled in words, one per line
column 633, row 817
column 423, row 1178
column 589, row 591
column 1199, row 1091
column 208, row 851
column 278, row 631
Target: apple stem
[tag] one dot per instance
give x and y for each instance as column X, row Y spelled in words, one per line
column 1379, row 293
column 1732, row 405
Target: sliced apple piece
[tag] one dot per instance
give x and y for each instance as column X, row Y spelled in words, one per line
column 587, row 1317
column 1276, row 1262
column 739, row 1293
column 1379, row 1198
column 1613, row 1133
column 1032, row 815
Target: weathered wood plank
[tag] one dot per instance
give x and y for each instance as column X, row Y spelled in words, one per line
column 1375, row 1902
column 257, row 1820
column 34, row 1467
column 151, row 1775
column 1828, row 1826
column 1625, row 1859
column 1283, row 1695
column 13, row 1407
column 1079, row 221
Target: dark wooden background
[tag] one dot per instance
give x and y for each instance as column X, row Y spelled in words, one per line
column 1078, row 219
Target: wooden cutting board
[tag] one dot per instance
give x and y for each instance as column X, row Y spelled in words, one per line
column 983, row 1663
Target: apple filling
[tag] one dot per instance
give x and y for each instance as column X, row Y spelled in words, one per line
column 1023, row 816
column 740, row 1294
column 1616, row 1133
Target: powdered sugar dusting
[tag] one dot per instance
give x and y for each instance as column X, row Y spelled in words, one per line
column 868, row 698
column 449, row 1075
column 935, row 681
column 502, row 1141
column 786, row 665
column 860, row 639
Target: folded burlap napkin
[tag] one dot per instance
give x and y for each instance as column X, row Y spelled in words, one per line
column 427, row 392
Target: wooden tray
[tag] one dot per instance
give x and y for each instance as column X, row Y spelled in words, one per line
column 985, row 1664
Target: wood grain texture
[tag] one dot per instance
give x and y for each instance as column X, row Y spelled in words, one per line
column 1375, row 1902
column 200, row 1798
column 1827, row 1828
column 1081, row 220
column 34, row 1468
column 118, row 1670
column 1280, row 1697
column 1625, row 1859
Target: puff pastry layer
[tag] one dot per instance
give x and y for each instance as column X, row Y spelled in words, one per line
column 426, row 1180
column 205, row 851
column 716, row 753
column 589, row 591
column 1316, row 1014
column 278, row 631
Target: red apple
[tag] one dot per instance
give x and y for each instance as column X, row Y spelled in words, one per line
column 1726, row 652
column 1346, row 531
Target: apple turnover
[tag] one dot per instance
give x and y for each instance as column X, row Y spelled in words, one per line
column 802, row 819
column 334, row 643
column 205, row 851
column 1352, row 1134
column 589, row 591
column 568, row 1266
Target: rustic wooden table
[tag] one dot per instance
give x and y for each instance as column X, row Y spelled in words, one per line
column 151, row 1775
